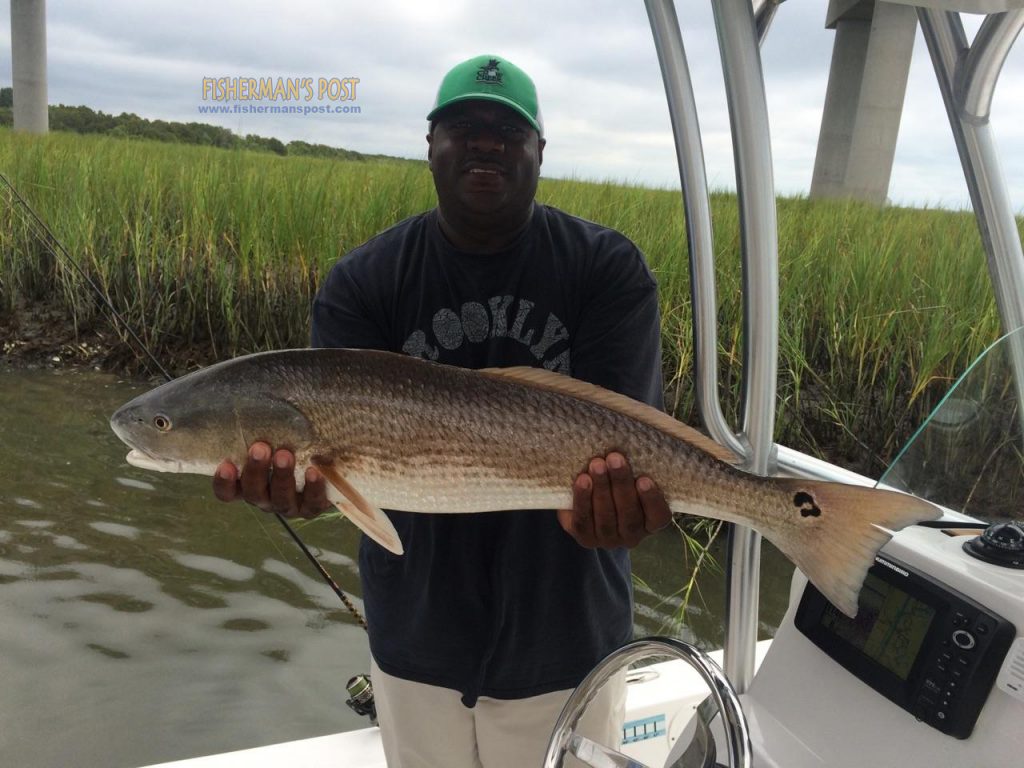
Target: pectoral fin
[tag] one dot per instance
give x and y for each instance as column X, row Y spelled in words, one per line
column 370, row 519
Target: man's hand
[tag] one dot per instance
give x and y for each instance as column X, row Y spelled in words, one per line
column 268, row 481
column 611, row 508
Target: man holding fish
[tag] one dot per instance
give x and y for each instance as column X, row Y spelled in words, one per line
column 482, row 628
column 437, row 390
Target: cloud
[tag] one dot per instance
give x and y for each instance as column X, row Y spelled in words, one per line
column 594, row 63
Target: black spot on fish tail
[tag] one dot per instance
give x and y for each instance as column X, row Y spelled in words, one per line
column 805, row 503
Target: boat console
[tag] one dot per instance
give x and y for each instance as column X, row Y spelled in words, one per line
column 928, row 648
column 927, row 674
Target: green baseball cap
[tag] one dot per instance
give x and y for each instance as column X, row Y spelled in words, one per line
column 490, row 78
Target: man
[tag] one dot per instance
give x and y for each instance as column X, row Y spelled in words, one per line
column 480, row 631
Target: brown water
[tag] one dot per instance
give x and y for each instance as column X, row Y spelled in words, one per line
column 141, row 621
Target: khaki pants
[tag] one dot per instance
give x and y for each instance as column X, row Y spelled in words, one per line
column 424, row 726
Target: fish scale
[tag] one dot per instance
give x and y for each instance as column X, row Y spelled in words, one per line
column 388, row 431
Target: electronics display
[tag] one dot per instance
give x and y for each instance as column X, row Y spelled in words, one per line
column 922, row 645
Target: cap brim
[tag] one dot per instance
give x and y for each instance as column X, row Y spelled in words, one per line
column 488, row 97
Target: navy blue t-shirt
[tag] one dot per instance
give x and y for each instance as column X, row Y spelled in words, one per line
column 499, row 604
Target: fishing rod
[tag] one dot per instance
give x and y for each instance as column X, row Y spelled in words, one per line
column 57, row 249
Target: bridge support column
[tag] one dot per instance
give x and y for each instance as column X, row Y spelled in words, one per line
column 864, row 101
column 28, row 65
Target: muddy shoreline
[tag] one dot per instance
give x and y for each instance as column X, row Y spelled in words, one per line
column 40, row 335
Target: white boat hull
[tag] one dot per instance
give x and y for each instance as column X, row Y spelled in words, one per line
column 660, row 700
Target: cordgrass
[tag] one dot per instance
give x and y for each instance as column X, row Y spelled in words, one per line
column 211, row 253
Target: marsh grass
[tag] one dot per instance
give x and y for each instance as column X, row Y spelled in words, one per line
column 202, row 249
column 211, row 253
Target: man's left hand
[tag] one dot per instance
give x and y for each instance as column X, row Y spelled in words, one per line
column 611, row 508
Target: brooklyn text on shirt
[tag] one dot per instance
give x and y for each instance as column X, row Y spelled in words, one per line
column 504, row 317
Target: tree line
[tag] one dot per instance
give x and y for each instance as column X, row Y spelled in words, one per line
column 82, row 119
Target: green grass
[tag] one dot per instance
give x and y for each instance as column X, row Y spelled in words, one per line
column 211, row 253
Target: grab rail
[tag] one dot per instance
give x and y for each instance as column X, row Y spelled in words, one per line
column 739, row 33
column 967, row 76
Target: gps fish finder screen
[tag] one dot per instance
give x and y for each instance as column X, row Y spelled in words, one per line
column 889, row 628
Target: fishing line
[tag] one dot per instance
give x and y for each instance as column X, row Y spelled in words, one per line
column 316, row 564
column 57, row 249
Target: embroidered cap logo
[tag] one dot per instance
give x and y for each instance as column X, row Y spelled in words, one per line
column 489, row 73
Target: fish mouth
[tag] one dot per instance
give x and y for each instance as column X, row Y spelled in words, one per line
column 121, row 423
column 139, row 458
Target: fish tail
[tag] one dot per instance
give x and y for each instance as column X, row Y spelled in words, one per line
column 844, row 527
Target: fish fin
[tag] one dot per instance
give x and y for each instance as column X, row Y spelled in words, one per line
column 583, row 390
column 370, row 519
column 842, row 529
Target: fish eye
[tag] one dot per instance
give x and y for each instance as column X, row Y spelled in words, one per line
column 161, row 422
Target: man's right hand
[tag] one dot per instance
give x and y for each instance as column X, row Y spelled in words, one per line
column 268, row 481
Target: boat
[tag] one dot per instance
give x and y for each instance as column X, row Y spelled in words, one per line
column 931, row 672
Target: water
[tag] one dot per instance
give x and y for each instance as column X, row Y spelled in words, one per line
column 141, row 621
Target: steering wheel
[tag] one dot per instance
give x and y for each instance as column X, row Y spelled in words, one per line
column 564, row 740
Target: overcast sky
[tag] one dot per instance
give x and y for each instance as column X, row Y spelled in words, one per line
column 593, row 61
